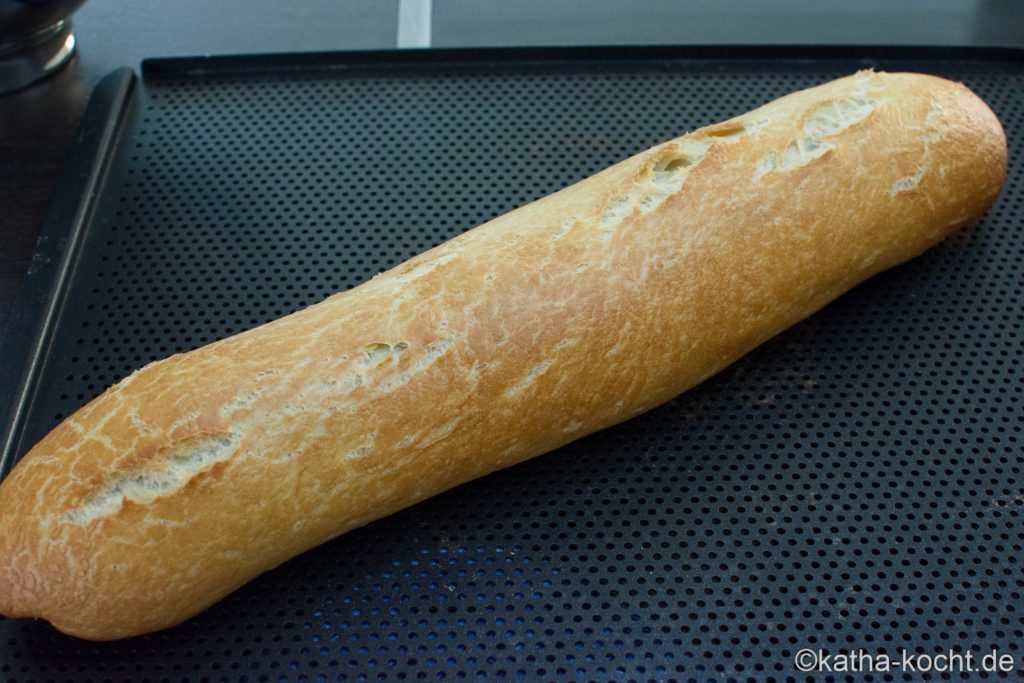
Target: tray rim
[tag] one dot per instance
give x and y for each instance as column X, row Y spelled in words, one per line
column 35, row 311
column 196, row 65
column 27, row 333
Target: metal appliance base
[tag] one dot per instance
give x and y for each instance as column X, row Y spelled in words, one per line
column 28, row 61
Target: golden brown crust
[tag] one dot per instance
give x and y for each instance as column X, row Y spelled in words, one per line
column 568, row 315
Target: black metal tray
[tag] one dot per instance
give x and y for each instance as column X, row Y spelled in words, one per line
column 857, row 482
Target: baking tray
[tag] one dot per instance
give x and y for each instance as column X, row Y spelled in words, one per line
column 857, row 482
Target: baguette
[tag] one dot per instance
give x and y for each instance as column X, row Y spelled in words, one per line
column 198, row 473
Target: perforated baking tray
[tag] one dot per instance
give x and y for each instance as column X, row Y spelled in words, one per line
column 857, row 482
